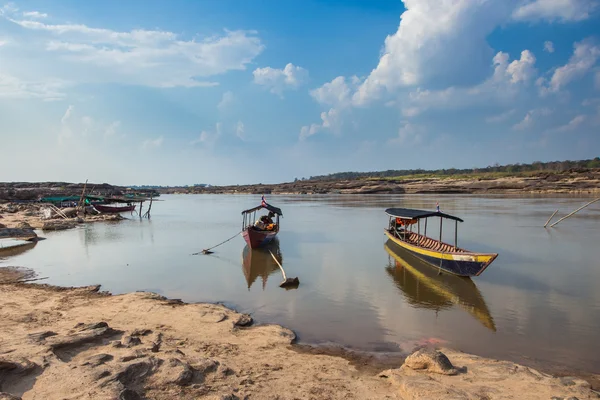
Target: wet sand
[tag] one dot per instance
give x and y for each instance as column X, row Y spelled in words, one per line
column 81, row 343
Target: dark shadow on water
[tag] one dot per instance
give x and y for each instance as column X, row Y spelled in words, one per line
column 422, row 287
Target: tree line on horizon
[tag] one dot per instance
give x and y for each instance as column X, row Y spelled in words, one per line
column 536, row 166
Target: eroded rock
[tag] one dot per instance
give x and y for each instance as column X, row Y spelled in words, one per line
column 430, row 360
column 243, row 320
column 97, row 359
column 129, row 394
column 131, row 341
column 40, row 337
column 177, row 372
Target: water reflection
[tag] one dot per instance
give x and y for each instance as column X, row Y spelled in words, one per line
column 16, row 250
column 259, row 262
column 424, row 288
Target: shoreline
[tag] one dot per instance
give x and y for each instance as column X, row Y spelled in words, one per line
column 57, row 340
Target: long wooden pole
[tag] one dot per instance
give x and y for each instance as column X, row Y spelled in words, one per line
column 550, row 219
column 279, row 265
column 579, row 209
column 82, row 194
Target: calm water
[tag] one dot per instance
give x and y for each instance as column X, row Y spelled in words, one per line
column 538, row 302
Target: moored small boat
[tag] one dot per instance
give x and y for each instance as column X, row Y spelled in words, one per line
column 263, row 231
column 114, row 209
column 443, row 256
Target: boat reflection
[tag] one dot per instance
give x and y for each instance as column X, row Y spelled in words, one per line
column 424, row 288
column 258, row 262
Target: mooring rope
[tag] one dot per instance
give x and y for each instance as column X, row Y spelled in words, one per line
column 223, row 242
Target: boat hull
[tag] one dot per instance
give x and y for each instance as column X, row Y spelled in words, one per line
column 110, row 209
column 257, row 239
column 461, row 264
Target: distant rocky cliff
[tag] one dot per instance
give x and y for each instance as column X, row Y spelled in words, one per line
column 573, row 181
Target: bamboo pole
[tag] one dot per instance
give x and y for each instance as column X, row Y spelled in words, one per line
column 81, row 204
column 550, row 219
column 579, row 209
column 58, row 211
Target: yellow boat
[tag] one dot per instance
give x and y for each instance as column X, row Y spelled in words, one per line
column 424, row 288
column 443, row 256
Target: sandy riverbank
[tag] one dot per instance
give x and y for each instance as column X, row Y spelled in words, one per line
column 80, row 343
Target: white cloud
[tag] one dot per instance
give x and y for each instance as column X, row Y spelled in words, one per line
column 144, row 57
column 35, row 15
column 409, row 134
column 502, row 87
column 548, row 46
column 572, row 125
column 411, row 112
column 240, row 131
column 530, row 118
column 591, row 102
column 66, row 131
column 522, row 70
column 152, row 143
column 437, row 42
column 584, row 57
column 111, row 130
column 226, row 101
column 87, row 124
column 335, row 93
column 8, row 8
column 309, row 130
column 501, row 117
column 208, row 138
column 330, row 120
column 278, row 80
column 15, row 88
column 66, row 115
column 561, row 10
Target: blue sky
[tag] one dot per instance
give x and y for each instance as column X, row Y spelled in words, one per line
column 226, row 92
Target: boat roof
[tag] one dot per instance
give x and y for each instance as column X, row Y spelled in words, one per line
column 409, row 213
column 265, row 205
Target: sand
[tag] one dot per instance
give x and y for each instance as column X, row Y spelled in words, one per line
column 81, row 343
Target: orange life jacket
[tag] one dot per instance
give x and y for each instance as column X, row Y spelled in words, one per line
column 405, row 222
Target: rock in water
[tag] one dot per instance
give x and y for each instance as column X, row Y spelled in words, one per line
column 430, row 360
column 58, row 225
column 243, row 320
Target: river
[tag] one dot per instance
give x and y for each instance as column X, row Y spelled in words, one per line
column 538, row 303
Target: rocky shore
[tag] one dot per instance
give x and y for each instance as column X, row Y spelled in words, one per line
column 571, row 182
column 81, row 343
column 18, row 221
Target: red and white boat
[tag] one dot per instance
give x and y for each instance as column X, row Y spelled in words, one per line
column 262, row 232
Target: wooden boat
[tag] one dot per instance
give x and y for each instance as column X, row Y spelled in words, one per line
column 114, row 209
column 259, row 263
column 443, row 256
column 256, row 235
column 423, row 287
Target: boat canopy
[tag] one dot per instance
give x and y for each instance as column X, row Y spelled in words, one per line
column 265, row 205
column 409, row 213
